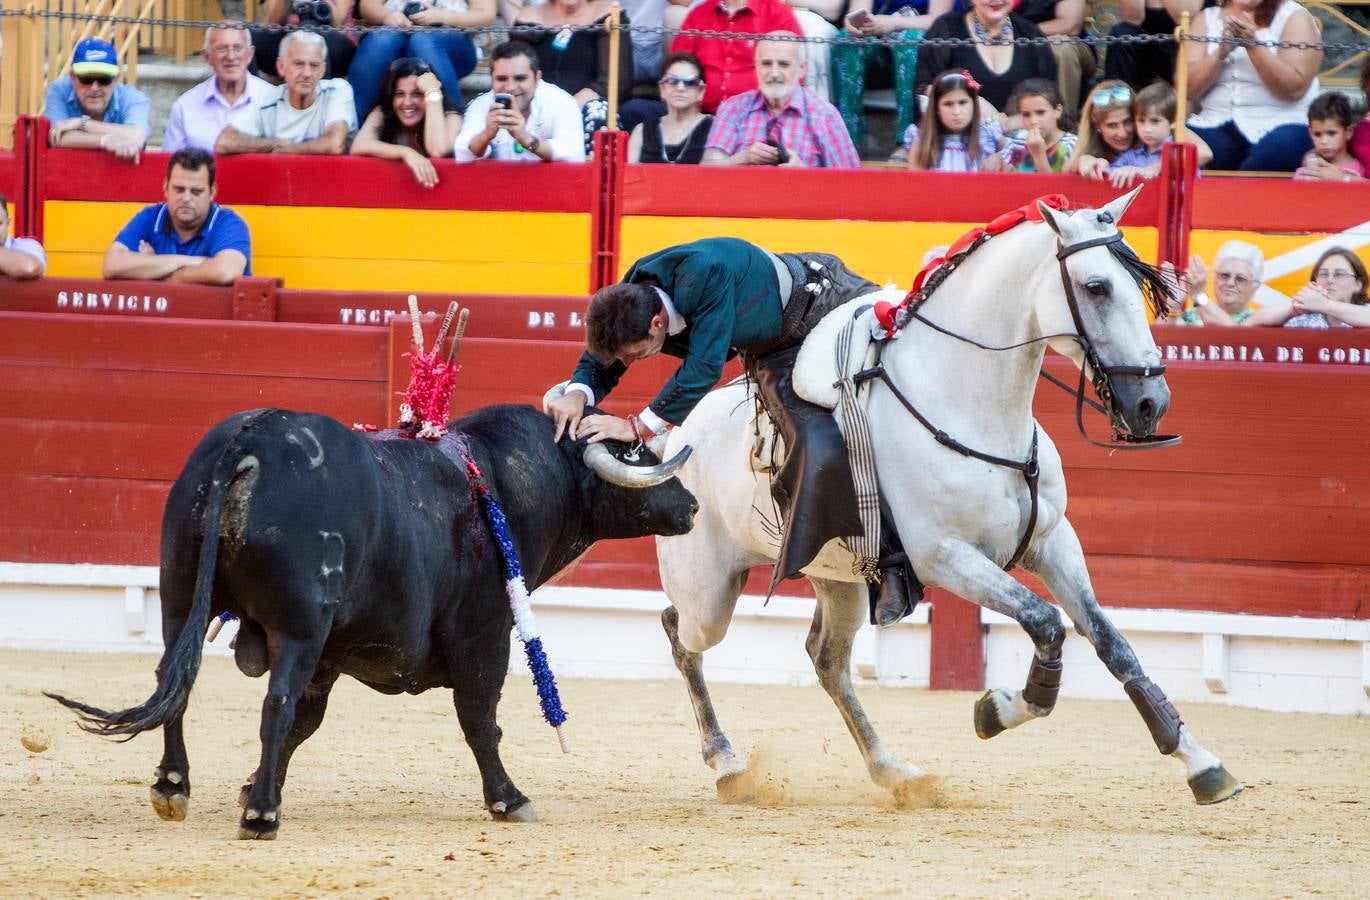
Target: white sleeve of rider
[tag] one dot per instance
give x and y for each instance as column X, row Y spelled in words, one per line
column 654, row 423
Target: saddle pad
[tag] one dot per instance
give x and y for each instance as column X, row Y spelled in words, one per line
column 815, row 369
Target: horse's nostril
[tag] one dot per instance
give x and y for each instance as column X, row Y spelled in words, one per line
column 1147, row 409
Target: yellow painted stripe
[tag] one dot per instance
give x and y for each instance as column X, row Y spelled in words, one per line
column 367, row 249
column 881, row 251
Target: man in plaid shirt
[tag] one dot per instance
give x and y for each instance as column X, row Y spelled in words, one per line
column 781, row 123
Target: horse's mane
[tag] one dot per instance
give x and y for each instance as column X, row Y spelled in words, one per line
column 1156, row 288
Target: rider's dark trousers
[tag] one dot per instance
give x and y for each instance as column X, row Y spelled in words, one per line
column 813, row 487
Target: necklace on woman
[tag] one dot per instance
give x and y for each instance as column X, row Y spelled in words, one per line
column 1005, row 35
column 682, row 146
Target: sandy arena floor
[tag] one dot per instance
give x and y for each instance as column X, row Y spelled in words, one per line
column 385, row 802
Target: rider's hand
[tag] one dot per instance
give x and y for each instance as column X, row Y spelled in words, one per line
column 598, row 428
column 566, row 411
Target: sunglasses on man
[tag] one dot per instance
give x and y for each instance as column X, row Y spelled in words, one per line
column 102, row 80
column 1118, row 96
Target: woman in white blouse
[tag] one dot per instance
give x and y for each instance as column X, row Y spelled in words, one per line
column 1254, row 99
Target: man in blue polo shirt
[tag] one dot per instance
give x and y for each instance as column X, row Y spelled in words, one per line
column 189, row 237
column 90, row 110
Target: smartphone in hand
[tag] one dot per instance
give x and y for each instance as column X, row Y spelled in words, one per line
column 504, row 100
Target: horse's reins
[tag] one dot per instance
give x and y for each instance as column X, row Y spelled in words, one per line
column 1029, row 467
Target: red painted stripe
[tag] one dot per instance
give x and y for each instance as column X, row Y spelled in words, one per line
column 328, row 181
column 866, row 194
column 1279, row 205
column 10, row 174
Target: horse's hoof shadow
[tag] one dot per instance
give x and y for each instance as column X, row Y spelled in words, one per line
column 736, row 788
column 1214, row 786
column 524, row 812
column 987, row 721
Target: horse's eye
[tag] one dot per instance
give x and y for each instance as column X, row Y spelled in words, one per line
column 1097, row 286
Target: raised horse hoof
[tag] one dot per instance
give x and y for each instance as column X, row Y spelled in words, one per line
column 524, row 812
column 170, row 801
column 987, row 722
column 1214, row 786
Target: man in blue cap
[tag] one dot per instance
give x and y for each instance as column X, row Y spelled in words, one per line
column 90, row 110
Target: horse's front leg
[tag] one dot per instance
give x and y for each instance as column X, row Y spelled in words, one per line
column 838, row 615
column 1060, row 563
column 963, row 570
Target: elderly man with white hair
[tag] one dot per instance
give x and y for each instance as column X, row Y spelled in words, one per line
column 307, row 114
column 1237, row 272
column 200, row 114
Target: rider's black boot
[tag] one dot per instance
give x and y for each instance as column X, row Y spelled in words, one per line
column 897, row 593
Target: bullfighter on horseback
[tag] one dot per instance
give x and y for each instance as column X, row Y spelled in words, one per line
column 706, row 302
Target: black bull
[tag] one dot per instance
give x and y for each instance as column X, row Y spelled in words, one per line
column 343, row 554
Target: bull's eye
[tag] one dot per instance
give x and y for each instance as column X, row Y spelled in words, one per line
column 1098, row 287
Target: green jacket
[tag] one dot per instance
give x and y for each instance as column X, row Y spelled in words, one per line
column 726, row 291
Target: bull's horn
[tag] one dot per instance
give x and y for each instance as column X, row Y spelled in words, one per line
column 615, row 471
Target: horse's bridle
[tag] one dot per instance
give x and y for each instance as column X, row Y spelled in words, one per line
column 1099, row 380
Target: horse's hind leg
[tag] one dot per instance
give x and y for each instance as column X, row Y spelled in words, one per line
column 963, row 570
column 1060, row 564
column 718, row 753
column 838, row 615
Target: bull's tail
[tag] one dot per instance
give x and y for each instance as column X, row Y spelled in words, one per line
column 180, row 661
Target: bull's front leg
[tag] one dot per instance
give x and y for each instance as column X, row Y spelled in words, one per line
column 477, row 664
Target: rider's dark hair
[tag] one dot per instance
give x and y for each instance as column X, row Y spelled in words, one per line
column 619, row 314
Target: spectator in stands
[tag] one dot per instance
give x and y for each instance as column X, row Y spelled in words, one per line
column 307, row 15
column 1237, row 271
column 781, row 122
column 448, row 52
column 1153, row 118
column 1360, row 137
column 1075, row 62
column 1333, row 298
column 572, row 43
column 188, row 238
column 1254, row 99
column 952, row 136
column 1044, row 143
column 730, row 63
column 680, row 135
column 201, row 113
column 307, row 114
column 646, row 14
column 91, row 110
column 1140, row 64
column 880, row 64
column 414, row 122
column 993, row 60
column 535, row 122
column 19, row 257
column 1107, row 130
column 1330, row 125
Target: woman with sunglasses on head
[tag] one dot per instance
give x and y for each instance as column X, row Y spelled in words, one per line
column 989, row 54
column 414, row 121
column 1107, row 130
column 1254, row 98
column 1333, row 298
column 680, row 135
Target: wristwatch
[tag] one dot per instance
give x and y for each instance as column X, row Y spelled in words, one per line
column 533, row 144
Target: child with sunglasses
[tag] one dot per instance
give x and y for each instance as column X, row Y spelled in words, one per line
column 91, row 110
column 1107, row 130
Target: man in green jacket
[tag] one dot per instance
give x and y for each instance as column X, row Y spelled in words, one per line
column 705, row 302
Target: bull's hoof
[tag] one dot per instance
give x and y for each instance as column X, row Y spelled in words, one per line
column 987, row 721
column 1214, row 786
column 524, row 812
column 258, row 826
column 170, row 795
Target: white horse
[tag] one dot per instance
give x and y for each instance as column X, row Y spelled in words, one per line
column 960, row 518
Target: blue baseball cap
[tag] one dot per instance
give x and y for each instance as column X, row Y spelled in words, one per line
column 95, row 57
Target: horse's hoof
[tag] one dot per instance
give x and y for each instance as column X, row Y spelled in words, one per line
column 257, row 826
column 172, row 805
column 923, row 792
column 987, row 722
column 735, row 787
column 524, row 812
column 1214, row 786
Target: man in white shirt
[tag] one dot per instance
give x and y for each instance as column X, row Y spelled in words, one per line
column 307, row 114
column 19, row 257
column 542, row 122
column 200, row 114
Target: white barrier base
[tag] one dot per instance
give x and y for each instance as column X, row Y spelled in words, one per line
column 1266, row 662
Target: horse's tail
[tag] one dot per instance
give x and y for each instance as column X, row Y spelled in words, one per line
column 180, row 661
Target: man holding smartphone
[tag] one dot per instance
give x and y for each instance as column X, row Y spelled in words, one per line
column 523, row 118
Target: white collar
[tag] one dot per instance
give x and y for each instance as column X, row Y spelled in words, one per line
column 675, row 322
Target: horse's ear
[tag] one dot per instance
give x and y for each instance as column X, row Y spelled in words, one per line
column 1119, row 206
column 1054, row 218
